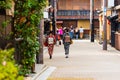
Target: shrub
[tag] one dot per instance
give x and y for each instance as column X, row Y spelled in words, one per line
column 8, row 69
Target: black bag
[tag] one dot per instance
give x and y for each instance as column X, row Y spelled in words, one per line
column 59, row 42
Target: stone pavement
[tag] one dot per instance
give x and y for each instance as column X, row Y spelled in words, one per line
column 87, row 61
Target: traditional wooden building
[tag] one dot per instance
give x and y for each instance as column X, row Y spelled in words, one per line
column 112, row 24
column 117, row 32
column 76, row 13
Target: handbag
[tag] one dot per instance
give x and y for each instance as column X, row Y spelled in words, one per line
column 59, row 42
column 58, row 37
column 71, row 41
column 46, row 43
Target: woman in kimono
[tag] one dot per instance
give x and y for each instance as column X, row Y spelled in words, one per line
column 51, row 42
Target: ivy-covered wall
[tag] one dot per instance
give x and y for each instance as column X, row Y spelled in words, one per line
column 25, row 31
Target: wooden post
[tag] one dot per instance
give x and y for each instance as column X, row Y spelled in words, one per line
column 40, row 54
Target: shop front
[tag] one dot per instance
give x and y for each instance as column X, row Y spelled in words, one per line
column 117, row 33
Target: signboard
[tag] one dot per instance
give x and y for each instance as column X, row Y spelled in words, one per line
column 45, row 14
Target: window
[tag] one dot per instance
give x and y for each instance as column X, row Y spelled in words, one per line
column 73, row 12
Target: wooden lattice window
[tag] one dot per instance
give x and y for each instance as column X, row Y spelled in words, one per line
column 117, row 2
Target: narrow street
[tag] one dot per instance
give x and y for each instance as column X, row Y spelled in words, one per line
column 87, row 61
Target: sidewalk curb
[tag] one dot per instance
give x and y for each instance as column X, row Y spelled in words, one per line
column 42, row 70
column 39, row 70
column 44, row 67
column 46, row 73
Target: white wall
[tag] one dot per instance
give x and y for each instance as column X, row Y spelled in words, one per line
column 110, row 3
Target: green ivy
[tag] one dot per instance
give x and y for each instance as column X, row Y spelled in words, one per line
column 5, row 23
column 28, row 14
column 6, row 4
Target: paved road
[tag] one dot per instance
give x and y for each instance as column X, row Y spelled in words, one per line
column 87, row 61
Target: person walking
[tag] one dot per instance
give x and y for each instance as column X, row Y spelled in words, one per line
column 51, row 42
column 66, row 42
column 61, row 32
column 71, row 32
column 76, row 33
column 81, row 30
column 57, row 36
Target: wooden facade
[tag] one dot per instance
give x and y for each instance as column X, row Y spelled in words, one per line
column 112, row 24
column 117, row 2
column 76, row 9
column 5, row 29
column 77, row 4
column 117, row 33
column 77, row 13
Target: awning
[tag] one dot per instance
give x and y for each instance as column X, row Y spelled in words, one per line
column 117, row 7
column 114, row 17
column 59, row 22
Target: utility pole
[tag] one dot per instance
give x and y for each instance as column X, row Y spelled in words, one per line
column 39, row 56
column 92, row 20
column 104, row 26
column 55, row 12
